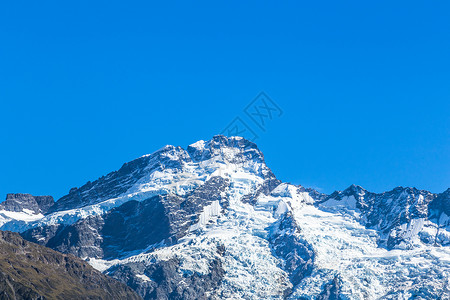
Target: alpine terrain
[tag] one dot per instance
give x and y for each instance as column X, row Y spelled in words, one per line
column 213, row 222
column 29, row 271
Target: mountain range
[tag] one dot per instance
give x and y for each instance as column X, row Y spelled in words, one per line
column 212, row 221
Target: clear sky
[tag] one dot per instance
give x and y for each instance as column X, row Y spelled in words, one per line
column 364, row 87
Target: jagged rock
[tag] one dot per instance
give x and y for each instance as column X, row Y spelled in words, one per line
column 19, row 202
column 394, row 214
column 442, row 202
column 297, row 254
column 132, row 226
column 162, row 280
column 331, row 290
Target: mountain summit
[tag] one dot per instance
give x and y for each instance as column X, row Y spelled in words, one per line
column 213, row 222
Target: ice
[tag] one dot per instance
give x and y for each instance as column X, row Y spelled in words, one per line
column 348, row 202
column 100, row 264
column 208, row 212
column 251, row 269
column 21, row 218
column 343, row 246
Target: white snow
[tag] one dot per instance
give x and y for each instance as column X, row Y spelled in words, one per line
column 343, row 246
column 251, row 270
column 22, row 218
column 143, row 277
column 199, row 145
column 101, row 264
column 26, row 215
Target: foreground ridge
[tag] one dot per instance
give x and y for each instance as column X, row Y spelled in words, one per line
column 30, row 271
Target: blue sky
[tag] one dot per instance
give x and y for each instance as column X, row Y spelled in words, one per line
column 364, row 88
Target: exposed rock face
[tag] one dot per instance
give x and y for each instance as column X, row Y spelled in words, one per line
column 439, row 214
column 19, row 202
column 298, row 254
column 30, row 271
column 81, row 238
column 132, row 226
column 442, row 203
column 265, row 189
column 164, row 280
column 331, row 290
column 106, row 187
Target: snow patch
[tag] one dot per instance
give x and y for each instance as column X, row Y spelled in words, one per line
column 143, row 277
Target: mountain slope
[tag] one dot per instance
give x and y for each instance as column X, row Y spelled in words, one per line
column 19, row 202
column 213, row 222
column 403, row 217
column 30, row 271
column 23, row 208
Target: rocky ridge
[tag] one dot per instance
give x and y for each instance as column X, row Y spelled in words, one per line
column 30, row 271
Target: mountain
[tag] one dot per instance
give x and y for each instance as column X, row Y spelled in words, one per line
column 21, row 202
column 30, row 271
column 24, row 208
column 402, row 217
column 213, row 222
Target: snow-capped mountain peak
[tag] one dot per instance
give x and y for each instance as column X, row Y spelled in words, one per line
column 213, row 222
